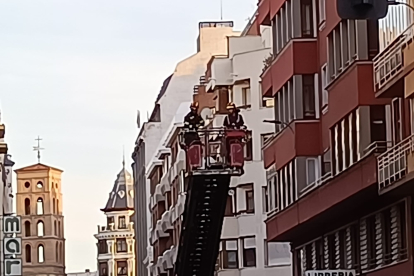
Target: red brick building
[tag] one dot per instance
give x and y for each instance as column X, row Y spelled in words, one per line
column 338, row 166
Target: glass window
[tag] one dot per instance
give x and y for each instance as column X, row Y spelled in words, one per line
column 249, row 252
column 277, row 254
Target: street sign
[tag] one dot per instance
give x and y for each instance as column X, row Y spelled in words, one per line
column 339, row 272
column 13, row 267
column 12, row 225
column 12, row 246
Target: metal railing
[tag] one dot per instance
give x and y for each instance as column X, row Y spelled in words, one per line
column 392, row 164
column 389, row 62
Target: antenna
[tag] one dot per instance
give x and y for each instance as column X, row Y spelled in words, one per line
column 221, row 10
column 123, row 156
column 38, row 148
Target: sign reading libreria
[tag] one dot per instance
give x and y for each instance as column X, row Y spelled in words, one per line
column 330, row 273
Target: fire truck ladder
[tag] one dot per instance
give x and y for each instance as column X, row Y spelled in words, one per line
column 202, row 222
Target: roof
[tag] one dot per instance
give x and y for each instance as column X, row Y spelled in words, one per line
column 37, row 167
column 122, row 195
column 164, row 87
column 8, row 161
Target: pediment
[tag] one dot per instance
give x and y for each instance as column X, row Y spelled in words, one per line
column 37, row 167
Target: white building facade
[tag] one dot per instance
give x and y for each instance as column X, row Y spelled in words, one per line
column 243, row 247
column 177, row 88
column 116, row 239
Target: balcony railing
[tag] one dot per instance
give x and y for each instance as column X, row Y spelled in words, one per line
column 392, row 165
column 389, row 63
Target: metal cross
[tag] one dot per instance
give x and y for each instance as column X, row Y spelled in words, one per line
column 38, row 148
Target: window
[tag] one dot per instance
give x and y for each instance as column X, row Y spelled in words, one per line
column 122, row 222
column 268, row 102
column 285, row 186
column 228, row 254
column 40, row 229
column 39, row 185
column 59, row 230
column 265, row 138
column 55, row 228
column 324, row 81
column 102, row 247
column 40, row 254
column 121, row 268
column 322, row 11
column 121, row 245
column 277, row 254
column 61, row 253
column 246, row 97
column 109, row 221
column 54, row 206
column 27, row 229
column 28, row 253
column 229, row 204
column 342, row 50
column 249, row 252
column 103, row 269
column 250, row 201
column 39, row 206
column 307, row 18
column 222, row 101
column 396, row 120
column 311, row 171
column 265, row 202
column 248, row 147
column 308, row 97
column 27, row 185
column 57, row 252
column 27, row 206
column 57, row 206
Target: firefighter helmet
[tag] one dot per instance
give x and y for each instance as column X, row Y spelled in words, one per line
column 231, row 105
column 194, row 105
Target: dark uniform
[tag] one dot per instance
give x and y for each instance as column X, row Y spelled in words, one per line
column 192, row 122
column 233, row 121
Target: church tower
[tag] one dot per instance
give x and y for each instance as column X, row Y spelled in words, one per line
column 39, row 203
column 116, row 239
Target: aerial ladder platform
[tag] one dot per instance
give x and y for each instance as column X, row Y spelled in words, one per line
column 213, row 157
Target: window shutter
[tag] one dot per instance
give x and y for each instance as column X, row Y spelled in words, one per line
column 364, row 244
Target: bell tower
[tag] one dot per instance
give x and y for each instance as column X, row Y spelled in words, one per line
column 39, row 203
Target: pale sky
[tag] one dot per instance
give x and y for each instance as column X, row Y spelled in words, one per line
column 75, row 72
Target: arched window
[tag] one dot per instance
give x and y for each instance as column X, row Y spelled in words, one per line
column 57, row 206
column 40, row 229
column 59, row 230
column 28, row 253
column 39, row 206
column 40, row 254
column 61, row 250
column 55, row 228
column 39, row 185
column 54, row 206
column 27, row 229
column 27, row 206
column 27, row 184
column 57, row 251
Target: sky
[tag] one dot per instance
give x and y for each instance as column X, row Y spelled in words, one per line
column 75, row 72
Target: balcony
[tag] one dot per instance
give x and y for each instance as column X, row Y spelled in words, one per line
column 395, row 164
column 389, row 68
column 166, row 224
column 298, row 57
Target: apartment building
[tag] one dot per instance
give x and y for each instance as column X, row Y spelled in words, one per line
column 338, row 160
column 176, row 89
column 243, row 247
column 116, row 240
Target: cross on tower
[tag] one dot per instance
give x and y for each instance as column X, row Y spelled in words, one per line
column 38, row 148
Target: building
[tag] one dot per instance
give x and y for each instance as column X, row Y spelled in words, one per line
column 236, row 78
column 177, row 88
column 39, row 203
column 6, row 193
column 244, row 250
column 116, row 240
column 338, row 161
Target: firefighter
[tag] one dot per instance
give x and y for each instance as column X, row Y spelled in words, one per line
column 192, row 123
column 234, row 120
